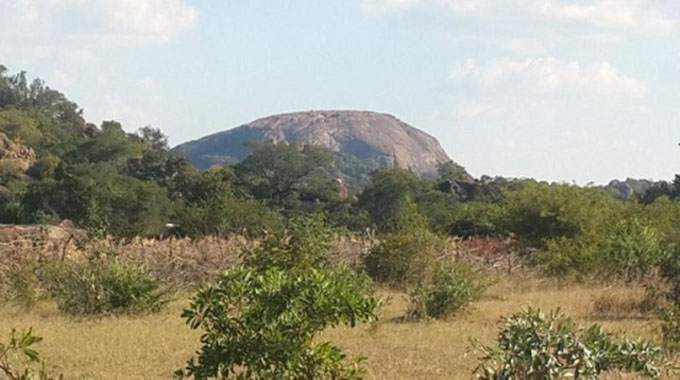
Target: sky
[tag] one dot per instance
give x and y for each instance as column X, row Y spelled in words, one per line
column 561, row 90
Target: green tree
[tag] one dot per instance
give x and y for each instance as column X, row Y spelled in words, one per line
column 281, row 174
column 211, row 203
column 98, row 197
column 390, row 190
column 20, row 126
column 451, row 171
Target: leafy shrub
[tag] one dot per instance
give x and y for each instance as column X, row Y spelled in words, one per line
column 18, row 359
column 450, row 288
column 535, row 346
column 10, row 168
column 670, row 272
column 261, row 319
column 403, row 257
column 264, row 325
column 225, row 214
column 22, row 285
column 477, row 219
column 105, row 286
column 628, row 248
column 303, row 245
column 539, row 211
column 670, row 328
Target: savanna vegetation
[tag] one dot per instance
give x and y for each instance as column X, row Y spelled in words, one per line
column 283, row 270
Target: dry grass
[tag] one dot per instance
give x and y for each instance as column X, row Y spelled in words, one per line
column 181, row 263
column 620, row 302
column 154, row 346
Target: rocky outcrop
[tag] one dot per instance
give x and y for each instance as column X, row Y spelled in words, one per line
column 341, row 188
column 362, row 138
column 15, row 155
column 631, row 188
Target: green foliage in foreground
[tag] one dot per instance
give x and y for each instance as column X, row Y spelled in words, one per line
column 450, row 288
column 264, row 325
column 18, row 359
column 535, row 346
column 105, row 286
column 261, row 319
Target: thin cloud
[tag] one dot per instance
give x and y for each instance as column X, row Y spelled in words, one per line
column 151, row 20
column 471, row 109
column 386, row 6
column 619, row 15
column 96, row 21
column 612, row 14
column 463, row 5
column 550, row 75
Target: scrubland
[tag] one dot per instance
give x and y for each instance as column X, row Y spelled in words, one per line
column 153, row 346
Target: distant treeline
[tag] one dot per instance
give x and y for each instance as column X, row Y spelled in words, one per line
column 120, row 184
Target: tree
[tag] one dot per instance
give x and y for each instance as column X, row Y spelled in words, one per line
column 153, row 138
column 451, row 171
column 280, row 174
column 112, row 144
column 540, row 212
column 387, row 194
column 98, row 197
column 211, row 203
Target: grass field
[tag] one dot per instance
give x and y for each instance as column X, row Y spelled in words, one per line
column 153, row 346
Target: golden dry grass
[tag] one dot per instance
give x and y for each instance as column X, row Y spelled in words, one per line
column 181, row 263
column 154, row 346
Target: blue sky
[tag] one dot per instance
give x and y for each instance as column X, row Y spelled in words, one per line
column 562, row 90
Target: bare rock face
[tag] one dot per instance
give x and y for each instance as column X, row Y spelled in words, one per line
column 365, row 138
column 15, row 155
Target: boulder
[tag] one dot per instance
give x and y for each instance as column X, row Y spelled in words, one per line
column 15, row 154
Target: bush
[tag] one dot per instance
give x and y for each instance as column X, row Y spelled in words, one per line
column 18, row 359
column 22, row 285
column 670, row 272
column 403, row 257
column 628, row 248
column 535, row 346
column 477, row 219
column 106, row 286
column 264, row 325
column 670, row 328
column 223, row 215
column 261, row 319
column 303, row 245
column 450, row 288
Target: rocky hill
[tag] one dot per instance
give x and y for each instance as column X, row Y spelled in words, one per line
column 363, row 140
column 631, row 188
